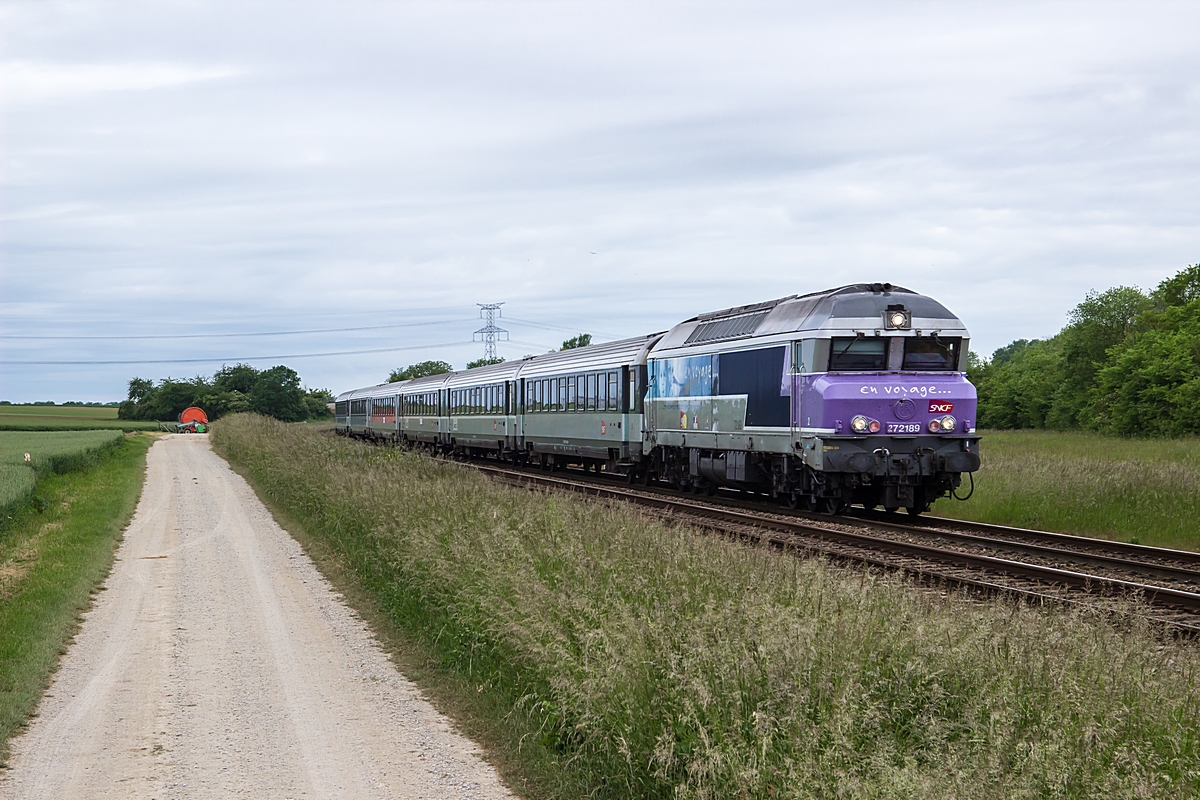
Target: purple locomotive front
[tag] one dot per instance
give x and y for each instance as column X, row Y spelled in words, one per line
column 855, row 395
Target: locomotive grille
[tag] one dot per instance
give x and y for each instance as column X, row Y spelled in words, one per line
column 726, row 328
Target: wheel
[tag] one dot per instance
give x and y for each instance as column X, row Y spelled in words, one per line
column 831, row 506
column 915, row 511
column 793, row 501
column 891, row 509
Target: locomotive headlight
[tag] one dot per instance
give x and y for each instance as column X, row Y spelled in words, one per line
column 948, row 424
column 860, row 424
column 897, row 317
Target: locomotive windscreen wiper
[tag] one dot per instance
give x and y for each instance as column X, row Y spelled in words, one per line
column 857, row 335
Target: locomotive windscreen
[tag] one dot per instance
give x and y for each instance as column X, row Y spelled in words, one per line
column 931, row 354
column 858, row 355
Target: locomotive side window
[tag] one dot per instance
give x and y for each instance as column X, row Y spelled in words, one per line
column 858, row 355
column 930, row 353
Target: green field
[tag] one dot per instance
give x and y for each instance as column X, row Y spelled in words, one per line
column 49, row 452
column 53, row 555
column 67, row 418
column 598, row 652
column 1140, row 490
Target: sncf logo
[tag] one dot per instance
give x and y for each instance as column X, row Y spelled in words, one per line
column 940, row 407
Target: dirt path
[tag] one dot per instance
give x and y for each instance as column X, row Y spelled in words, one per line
column 219, row 663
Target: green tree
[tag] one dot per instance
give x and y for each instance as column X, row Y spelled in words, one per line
column 1101, row 321
column 1150, row 384
column 1180, row 290
column 237, row 378
column 421, row 370
column 484, row 362
column 316, row 403
column 277, row 393
column 1019, row 393
column 582, row 340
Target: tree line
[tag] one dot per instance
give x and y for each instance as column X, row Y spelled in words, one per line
column 275, row 392
column 1127, row 363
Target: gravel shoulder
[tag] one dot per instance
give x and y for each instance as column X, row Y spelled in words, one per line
column 220, row 663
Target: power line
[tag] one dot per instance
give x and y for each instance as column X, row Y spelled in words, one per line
column 234, row 335
column 489, row 333
column 235, row 359
column 551, row 327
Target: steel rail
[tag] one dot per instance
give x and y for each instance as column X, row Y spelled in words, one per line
column 1070, row 539
column 1067, row 553
column 1156, row 595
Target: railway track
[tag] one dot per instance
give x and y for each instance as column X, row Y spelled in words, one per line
column 1038, row 565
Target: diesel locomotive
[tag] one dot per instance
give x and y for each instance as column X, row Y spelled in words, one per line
column 854, row 395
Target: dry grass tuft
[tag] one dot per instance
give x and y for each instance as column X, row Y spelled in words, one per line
column 653, row 662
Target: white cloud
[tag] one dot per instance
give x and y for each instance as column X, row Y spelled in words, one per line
column 33, row 82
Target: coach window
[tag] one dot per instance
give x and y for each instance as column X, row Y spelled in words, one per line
column 858, row 355
column 591, row 392
column 602, row 392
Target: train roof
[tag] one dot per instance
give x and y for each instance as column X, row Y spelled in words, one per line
column 606, row 355
column 856, row 307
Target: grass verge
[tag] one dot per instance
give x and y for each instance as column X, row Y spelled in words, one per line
column 1142, row 490
column 605, row 654
column 51, row 561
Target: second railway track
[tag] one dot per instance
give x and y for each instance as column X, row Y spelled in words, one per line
column 1039, row 565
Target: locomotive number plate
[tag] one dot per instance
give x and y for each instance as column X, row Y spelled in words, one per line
column 904, row 427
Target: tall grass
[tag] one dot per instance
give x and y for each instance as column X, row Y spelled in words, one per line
column 651, row 661
column 1143, row 490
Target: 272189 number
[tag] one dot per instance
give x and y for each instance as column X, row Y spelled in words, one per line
column 904, row 427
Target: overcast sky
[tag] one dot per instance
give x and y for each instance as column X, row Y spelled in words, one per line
column 188, row 169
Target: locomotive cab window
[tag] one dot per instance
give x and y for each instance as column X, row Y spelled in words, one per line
column 858, row 354
column 930, row 353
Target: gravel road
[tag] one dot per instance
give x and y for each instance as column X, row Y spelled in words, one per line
column 220, row 663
